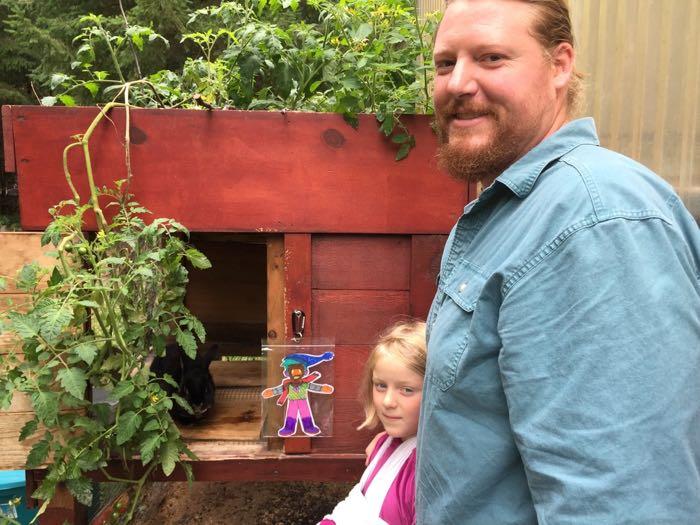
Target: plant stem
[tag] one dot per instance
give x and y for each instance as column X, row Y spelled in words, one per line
column 131, row 44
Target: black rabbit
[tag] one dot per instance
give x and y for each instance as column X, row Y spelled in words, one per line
column 193, row 376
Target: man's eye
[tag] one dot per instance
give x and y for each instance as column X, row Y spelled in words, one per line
column 444, row 65
column 492, row 58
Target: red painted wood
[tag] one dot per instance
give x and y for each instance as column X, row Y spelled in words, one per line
column 297, row 250
column 356, row 317
column 8, row 140
column 361, row 262
column 243, row 171
column 311, row 467
column 426, row 253
column 347, row 410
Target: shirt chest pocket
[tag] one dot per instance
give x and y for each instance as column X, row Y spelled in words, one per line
column 450, row 324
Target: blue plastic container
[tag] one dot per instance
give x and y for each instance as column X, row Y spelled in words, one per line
column 12, row 487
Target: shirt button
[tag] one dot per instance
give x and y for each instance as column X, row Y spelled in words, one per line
column 462, row 287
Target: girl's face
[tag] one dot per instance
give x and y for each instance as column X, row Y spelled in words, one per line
column 396, row 394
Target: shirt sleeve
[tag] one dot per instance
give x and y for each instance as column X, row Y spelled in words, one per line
column 600, row 364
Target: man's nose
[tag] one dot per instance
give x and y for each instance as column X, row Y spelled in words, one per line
column 463, row 79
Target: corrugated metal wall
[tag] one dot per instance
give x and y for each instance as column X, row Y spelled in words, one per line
column 642, row 62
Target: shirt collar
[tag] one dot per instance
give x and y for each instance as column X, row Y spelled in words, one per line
column 521, row 176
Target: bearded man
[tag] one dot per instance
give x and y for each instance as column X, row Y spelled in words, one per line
column 563, row 377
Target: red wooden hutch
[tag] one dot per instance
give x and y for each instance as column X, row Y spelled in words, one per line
column 297, row 211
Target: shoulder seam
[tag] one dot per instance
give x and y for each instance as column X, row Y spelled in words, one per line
column 589, row 222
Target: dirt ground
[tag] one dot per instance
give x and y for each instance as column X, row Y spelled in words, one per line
column 240, row 503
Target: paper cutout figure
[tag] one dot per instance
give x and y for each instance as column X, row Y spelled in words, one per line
column 294, row 390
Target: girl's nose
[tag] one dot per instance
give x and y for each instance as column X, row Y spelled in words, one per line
column 389, row 399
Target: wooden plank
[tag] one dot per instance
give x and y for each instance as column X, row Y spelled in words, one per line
column 18, row 249
column 297, row 258
column 311, row 467
column 235, row 416
column 426, row 253
column 347, row 410
column 14, row 452
column 270, row 172
column 355, row 317
column 275, row 289
column 361, row 262
column 230, row 374
column 8, row 140
column 298, row 279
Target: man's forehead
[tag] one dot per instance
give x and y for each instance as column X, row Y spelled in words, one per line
column 487, row 19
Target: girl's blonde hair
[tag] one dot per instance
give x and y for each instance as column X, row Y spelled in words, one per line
column 405, row 341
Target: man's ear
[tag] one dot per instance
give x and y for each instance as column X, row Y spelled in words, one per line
column 562, row 58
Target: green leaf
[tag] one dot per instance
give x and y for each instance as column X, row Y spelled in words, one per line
column 148, row 447
column 74, row 381
column 89, row 304
column 144, row 271
column 39, row 452
column 45, row 405
column 81, row 488
column 28, row 277
column 188, row 471
column 127, row 426
column 400, row 138
column 362, row 32
column 183, row 403
column 122, row 389
column 197, row 259
column 48, row 101
column 152, row 424
column 403, row 151
column 28, row 429
column 3, row 283
column 25, row 325
column 168, row 457
column 92, row 87
column 57, row 79
column 55, row 317
column 56, row 277
column 186, row 340
column 199, row 329
column 86, row 352
column 66, row 100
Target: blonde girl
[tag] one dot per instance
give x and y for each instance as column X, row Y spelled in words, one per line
column 391, row 394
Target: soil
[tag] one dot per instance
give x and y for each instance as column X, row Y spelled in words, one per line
column 239, row 503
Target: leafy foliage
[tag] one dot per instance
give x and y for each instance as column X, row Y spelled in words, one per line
column 112, row 298
column 348, row 57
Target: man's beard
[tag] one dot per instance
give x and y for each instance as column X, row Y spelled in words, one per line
column 481, row 163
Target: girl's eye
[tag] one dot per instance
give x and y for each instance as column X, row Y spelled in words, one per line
column 379, row 387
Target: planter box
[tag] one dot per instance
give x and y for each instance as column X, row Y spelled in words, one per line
column 243, row 171
column 296, row 211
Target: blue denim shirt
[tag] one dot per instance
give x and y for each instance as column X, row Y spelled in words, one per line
column 563, row 376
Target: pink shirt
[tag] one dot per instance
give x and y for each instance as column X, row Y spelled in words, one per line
column 399, row 506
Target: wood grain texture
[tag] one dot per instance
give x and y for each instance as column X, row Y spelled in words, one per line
column 297, row 268
column 361, row 262
column 426, row 254
column 347, row 410
column 18, row 249
column 14, row 452
column 8, row 140
column 356, row 317
column 244, row 171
